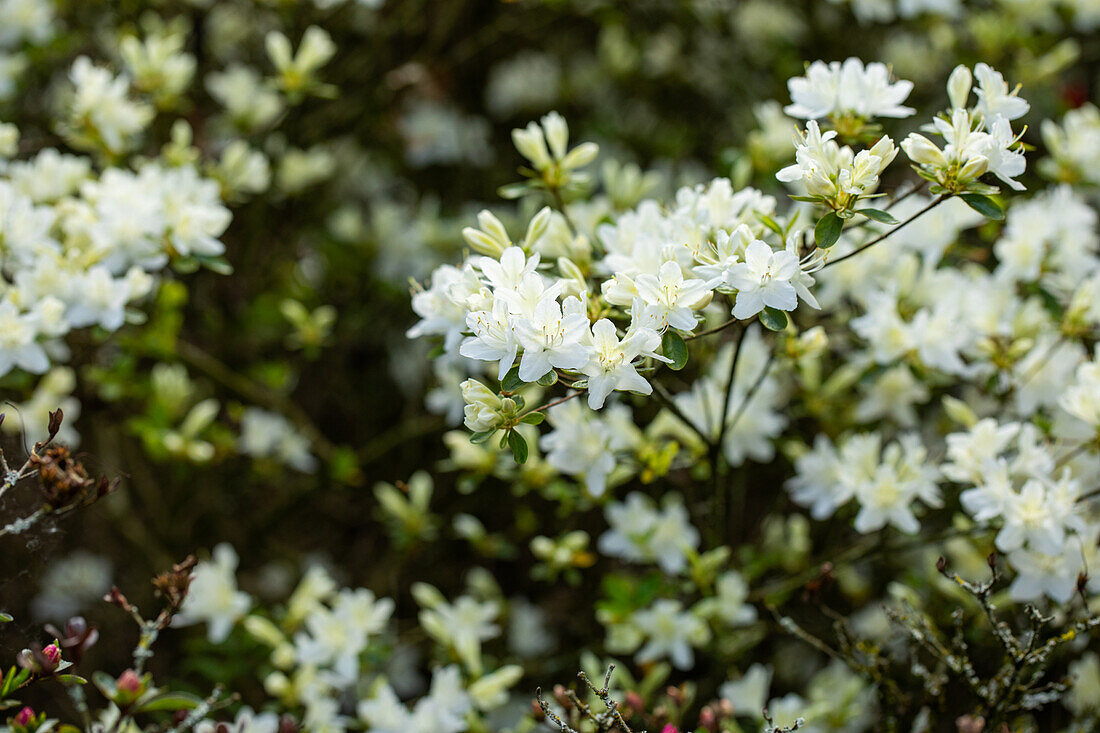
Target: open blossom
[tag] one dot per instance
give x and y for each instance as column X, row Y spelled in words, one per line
column 976, row 142
column 669, row 299
column 611, row 366
column 101, row 107
column 994, row 98
column 552, row 336
column 1039, row 516
column 884, row 481
column 847, row 89
column 671, row 632
column 767, row 278
column 18, row 347
column 213, row 596
column 337, row 635
column 584, row 443
column 1082, row 399
column 835, row 173
column 640, row 532
column 494, row 338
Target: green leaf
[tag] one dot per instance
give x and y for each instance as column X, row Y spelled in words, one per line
column 828, row 229
column 878, row 215
column 549, row 379
column 533, row 418
column 770, row 223
column 518, row 446
column 219, row 265
column 806, row 199
column 673, row 346
column 984, row 205
column 481, row 437
column 773, row 320
column 105, row 683
column 71, row 679
column 6, row 618
column 170, row 701
column 511, row 381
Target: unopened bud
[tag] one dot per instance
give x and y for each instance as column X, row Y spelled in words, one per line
column 52, row 652
column 129, row 682
column 958, row 86
column 24, row 716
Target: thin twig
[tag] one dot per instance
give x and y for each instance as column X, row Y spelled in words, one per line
column 931, row 205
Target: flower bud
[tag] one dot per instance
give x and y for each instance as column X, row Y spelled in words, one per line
column 24, row 717
column 557, row 134
column 129, row 687
column 531, row 144
column 483, row 406
column 973, row 168
column 885, row 150
column 923, row 152
column 52, row 652
column 581, row 156
column 492, row 226
column 538, row 226
column 958, row 86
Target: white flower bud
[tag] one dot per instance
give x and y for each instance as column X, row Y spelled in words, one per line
column 958, row 86
column 581, row 156
column 483, row 406
column 483, row 243
column 531, row 144
column 557, row 134
column 923, row 152
column 538, row 226
column 493, row 227
column 974, row 168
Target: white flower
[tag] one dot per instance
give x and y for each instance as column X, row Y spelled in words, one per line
column 213, row 596
column 1082, row 398
column 847, row 89
column 462, row 625
column 583, row 443
column 670, row 632
column 552, row 336
column 994, row 99
column 267, row 434
column 18, row 347
column 749, row 694
column 766, row 279
column 669, row 299
column 639, row 532
column 338, row 635
column 611, row 366
column 493, row 339
column 837, row 174
column 101, row 108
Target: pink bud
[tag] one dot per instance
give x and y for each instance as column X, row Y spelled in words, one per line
column 670, row 728
column 52, row 652
column 129, row 682
column 24, row 717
